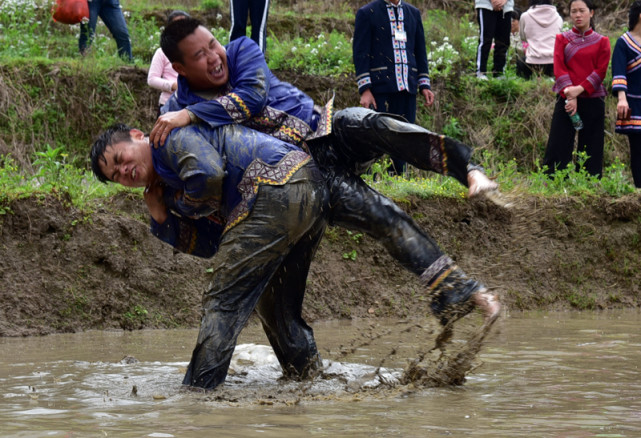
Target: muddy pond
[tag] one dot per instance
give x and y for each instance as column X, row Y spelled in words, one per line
column 538, row 374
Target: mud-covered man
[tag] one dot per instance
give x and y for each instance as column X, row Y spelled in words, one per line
column 259, row 207
column 256, row 205
column 232, row 85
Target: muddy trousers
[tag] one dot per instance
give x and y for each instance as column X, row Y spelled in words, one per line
column 262, row 264
column 356, row 206
column 362, row 136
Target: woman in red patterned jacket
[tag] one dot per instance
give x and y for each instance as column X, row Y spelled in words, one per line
column 581, row 59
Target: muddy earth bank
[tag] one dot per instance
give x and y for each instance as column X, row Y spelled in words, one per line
column 64, row 271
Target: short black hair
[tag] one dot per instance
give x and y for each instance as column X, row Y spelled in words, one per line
column 174, row 33
column 114, row 134
column 173, row 15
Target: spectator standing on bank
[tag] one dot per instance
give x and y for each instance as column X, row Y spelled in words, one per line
column 626, row 86
column 391, row 60
column 519, row 45
column 538, row 27
column 258, row 11
column 111, row 14
column 162, row 75
column 495, row 21
column 581, row 59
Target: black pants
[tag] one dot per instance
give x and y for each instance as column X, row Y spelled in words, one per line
column 262, row 263
column 526, row 70
column 635, row 158
column 558, row 153
column 494, row 27
column 361, row 136
column 402, row 104
column 258, row 11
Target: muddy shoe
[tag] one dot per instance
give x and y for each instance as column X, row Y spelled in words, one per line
column 479, row 184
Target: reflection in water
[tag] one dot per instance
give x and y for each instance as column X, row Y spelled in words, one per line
column 544, row 375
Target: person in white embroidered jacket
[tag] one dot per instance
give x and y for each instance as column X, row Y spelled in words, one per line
column 538, row 27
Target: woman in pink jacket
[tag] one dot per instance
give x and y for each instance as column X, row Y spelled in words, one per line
column 538, row 27
column 162, row 75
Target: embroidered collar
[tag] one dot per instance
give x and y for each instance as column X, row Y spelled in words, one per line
column 588, row 32
column 632, row 38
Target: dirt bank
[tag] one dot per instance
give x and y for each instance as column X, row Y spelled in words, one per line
column 61, row 271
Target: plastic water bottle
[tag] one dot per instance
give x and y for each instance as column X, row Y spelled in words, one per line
column 576, row 120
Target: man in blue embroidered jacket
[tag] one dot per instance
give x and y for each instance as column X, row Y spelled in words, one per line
column 232, row 85
column 204, row 198
column 390, row 59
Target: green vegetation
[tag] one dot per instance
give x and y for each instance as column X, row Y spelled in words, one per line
column 54, row 102
column 317, row 55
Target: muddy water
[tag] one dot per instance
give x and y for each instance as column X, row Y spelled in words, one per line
column 539, row 374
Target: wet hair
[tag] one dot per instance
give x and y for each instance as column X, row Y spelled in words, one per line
column 533, row 3
column 177, row 14
column 633, row 15
column 174, row 33
column 114, row 134
column 591, row 6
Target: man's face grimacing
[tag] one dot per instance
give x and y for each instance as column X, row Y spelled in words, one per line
column 129, row 163
column 204, row 62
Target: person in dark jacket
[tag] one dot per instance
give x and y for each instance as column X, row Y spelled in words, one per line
column 390, row 60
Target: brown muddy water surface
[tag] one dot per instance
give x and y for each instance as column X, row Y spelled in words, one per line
column 539, row 374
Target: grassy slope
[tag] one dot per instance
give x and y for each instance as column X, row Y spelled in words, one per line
column 52, row 105
column 65, row 101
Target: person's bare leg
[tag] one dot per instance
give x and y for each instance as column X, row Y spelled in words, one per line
column 479, row 183
column 488, row 304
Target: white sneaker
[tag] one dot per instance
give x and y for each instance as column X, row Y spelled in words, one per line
column 481, row 76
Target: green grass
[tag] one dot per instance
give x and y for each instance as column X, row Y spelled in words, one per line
column 47, row 133
column 328, row 55
column 53, row 175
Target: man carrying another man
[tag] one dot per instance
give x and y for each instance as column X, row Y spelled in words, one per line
column 214, row 221
column 232, row 84
column 259, row 206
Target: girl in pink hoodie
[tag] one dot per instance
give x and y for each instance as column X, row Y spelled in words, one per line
column 538, row 27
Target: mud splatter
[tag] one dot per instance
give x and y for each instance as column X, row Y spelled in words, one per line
column 444, row 362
